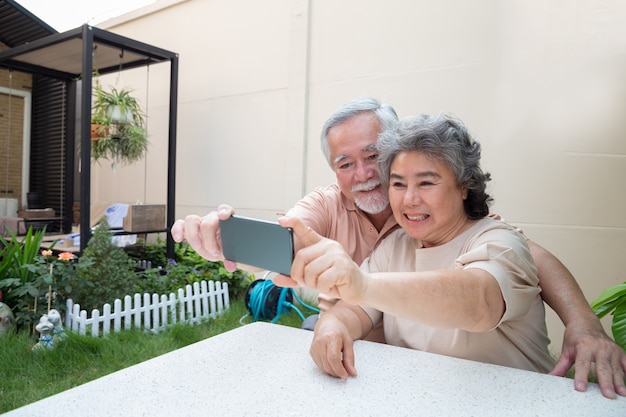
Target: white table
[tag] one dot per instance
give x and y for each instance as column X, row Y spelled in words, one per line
column 265, row 369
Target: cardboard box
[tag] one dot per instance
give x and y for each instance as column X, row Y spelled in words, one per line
column 144, row 218
column 35, row 214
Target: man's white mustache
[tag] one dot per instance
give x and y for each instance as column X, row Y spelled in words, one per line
column 366, row 186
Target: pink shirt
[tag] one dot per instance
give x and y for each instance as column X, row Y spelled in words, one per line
column 327, row 211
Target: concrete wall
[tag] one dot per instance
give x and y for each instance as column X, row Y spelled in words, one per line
column 540, row 83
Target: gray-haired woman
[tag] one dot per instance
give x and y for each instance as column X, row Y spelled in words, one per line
column 451, row 281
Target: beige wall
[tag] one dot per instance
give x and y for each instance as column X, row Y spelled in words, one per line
column 539, row 82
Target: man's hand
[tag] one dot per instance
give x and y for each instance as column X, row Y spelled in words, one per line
column 203, row 234
column 584, row 344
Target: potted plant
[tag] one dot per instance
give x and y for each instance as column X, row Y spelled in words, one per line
column 99, row 128
column 119, row 126
column 99, row 119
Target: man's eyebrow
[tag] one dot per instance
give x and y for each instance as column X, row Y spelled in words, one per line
column 339, row 158
column 368, row 148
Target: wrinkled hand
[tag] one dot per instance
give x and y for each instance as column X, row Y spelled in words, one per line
column 332, row 348
column 323, row 265
column 584, row 345
column 203, row 234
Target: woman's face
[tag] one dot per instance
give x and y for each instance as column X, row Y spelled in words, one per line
column 425, row 198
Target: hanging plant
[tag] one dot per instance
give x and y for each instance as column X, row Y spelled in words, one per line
column 122, row 137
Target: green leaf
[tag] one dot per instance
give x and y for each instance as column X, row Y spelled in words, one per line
column 608, row 297
column 9, row 282
column 21, row 291
column 604, row 309
column 619, row 324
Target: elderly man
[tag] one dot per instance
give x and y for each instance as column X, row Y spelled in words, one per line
column 355, row 212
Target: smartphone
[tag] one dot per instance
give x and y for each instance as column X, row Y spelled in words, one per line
column 259, row 243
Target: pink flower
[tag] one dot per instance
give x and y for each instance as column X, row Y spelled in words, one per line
column 66, row 256
column 46, row 252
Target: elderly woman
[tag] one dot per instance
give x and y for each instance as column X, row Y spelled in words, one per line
column 451, row 281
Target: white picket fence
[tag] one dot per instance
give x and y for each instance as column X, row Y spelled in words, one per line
column 206, row 299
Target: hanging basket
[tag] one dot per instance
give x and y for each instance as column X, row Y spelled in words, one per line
column 120, row 115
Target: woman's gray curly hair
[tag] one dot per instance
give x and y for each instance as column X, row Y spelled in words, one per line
column 444, row 138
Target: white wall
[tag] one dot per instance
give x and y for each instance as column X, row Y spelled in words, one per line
column 540, row 83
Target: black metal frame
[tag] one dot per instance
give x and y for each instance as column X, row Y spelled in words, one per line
column 120, row 53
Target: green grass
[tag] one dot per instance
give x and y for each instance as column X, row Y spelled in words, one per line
column 26, row 376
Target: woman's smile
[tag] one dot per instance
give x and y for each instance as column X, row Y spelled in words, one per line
column 417, row 217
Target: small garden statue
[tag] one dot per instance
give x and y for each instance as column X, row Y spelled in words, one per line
column 58, row 333
column 45, row 329
column 6, row 317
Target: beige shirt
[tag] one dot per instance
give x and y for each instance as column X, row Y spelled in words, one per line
column 520, row 339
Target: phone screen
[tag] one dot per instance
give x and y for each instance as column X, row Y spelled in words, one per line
column 258, row 243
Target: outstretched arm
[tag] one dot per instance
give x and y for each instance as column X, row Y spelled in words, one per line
column 585, row 340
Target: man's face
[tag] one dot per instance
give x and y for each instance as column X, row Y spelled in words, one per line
column 353, row 157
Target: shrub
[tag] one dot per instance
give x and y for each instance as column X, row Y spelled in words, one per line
column 155, row 253
column 20, row 285
column 34, row 282
column 111, row 274
column 237, row 281
column 168, row 275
